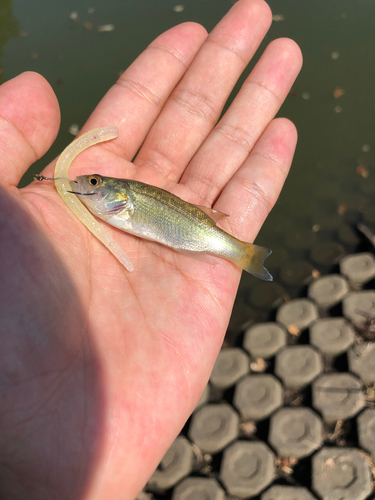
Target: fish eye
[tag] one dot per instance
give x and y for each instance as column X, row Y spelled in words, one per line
column 95, row 180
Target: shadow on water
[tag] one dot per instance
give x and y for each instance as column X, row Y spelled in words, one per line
column 50, row 377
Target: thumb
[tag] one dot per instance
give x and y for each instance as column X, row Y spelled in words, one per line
column 29, row 122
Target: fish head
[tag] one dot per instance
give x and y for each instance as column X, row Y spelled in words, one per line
column 102, row 195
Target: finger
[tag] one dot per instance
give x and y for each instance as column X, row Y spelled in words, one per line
column 29, row 122
column 255, row 106
column 197, row 102
column 252, row 192
column 136, row 99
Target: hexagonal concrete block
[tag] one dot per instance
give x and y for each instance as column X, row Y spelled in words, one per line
column 298, row 312
column 338, row 396
column 287, row 493
column 295, row 432
column 205, row 397
column 328, row 290
column 176, row 464
column 247, row 468
column 366, row 430
column 341, row 474
column 144, row 495
column 359, row 307
column 332, row 336
column 361, row 359
column 257, row 396
column 195, row 488
column 213, row 427
column 230, row 366
column 264, row 340
column 358, row 268
column 298, row 365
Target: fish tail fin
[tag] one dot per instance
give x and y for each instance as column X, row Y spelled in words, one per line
column 252, row 260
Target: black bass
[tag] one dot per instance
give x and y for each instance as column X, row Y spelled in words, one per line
column 155, row 214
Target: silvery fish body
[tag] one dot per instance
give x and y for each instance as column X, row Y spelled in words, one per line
column 155, row 214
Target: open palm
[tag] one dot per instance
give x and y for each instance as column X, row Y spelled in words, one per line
column 100, row 367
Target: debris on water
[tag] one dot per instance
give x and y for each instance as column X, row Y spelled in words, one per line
column 179, row 8
column 306, row 95
column 106, row 27
column 338, row 109
column 285, row 465
column 88, row 25
column 368, row 232
column 315, row 228
column 34, row 55
column 341, row 209
column 338, row 92
column 362, row 171
column 23, row 33
column 74, row 129
column 315, row 274
column 248, row 428
column 258, row 366
column 294, row 330
column 335, row 55
column 365, row 148
column 74, row 16
column 337, row 432
column 91, row 10
column 278, row 17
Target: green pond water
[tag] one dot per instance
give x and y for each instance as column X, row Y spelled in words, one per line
column 332, row 181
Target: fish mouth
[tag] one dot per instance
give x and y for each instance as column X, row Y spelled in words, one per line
column 40, row 177
column 81, row 194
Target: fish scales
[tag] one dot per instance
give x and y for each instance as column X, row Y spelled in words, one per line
column 174, row 222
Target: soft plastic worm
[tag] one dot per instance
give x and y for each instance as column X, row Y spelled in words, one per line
column 63, row 187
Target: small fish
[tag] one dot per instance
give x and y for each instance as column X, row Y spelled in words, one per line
column 157, row 215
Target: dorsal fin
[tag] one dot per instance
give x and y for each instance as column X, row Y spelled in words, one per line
column 215, row 215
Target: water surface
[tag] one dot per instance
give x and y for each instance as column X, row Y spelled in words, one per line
column 332, row 103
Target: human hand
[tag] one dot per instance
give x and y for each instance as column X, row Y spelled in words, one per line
column 100, row 368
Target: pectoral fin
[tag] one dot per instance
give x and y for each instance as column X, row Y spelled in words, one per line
column 215, row 215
